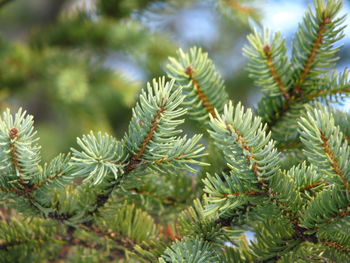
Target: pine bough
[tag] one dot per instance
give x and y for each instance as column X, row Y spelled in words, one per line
column 286, row 177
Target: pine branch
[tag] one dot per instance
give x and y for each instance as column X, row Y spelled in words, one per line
column 298, row 214
column 334, row 162
column 150, row 134
column 151, row 142
column 250, row 156
column 313, row 50
column 56, row 174
column 39, row 196
column 202, row 84
column 230, row 192
column 337, row 246
column 194, row 222
column 268, row 63
column 199, row 91
column 101, row 157
column 188, row 250
column 156, row 143
column 160, row 108
column 274, row 239
column 328, row 205
column 129, row 225
column 314, row 53
column 333, row 87
column 20, row 156
column 18, row 233
column 238, row 124
column 308, row 181
column 325, row 146
column 315, row 47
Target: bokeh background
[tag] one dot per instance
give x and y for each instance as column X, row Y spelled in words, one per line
column 79, row 65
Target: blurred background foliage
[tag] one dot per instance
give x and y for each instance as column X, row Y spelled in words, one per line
column 78, row 65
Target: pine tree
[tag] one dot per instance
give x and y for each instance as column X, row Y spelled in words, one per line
column 283, row 171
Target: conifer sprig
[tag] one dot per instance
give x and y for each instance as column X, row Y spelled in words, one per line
column 307, row 180
column 252, row 146
column 24, row 182
column 151, row 142
column 25, row 240
column 190, row 250
column 309, row 197
column 250, row 156
column 101, row 156
column 102, row 161
column 268, row 63
column 20, row 153
column 289, row 86
column 325, row 146
column 335, row 87
column 115, row 200
column 160, row 107
column 152, row 138
column 203, row 86
column 313, row 48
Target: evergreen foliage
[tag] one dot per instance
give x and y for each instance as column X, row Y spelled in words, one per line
column 292, row 83
column 203, row 85
column 284, row 178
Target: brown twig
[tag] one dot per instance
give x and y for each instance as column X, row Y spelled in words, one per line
column 311, row 58
column 150, row 134
column 334, row 161
column 273, row 71
column 201, row 95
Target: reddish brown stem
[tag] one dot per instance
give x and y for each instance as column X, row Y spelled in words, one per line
column 273, row 71
column 315, row 47
column 203, row 98
column 150, row 134
column 334, row 161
